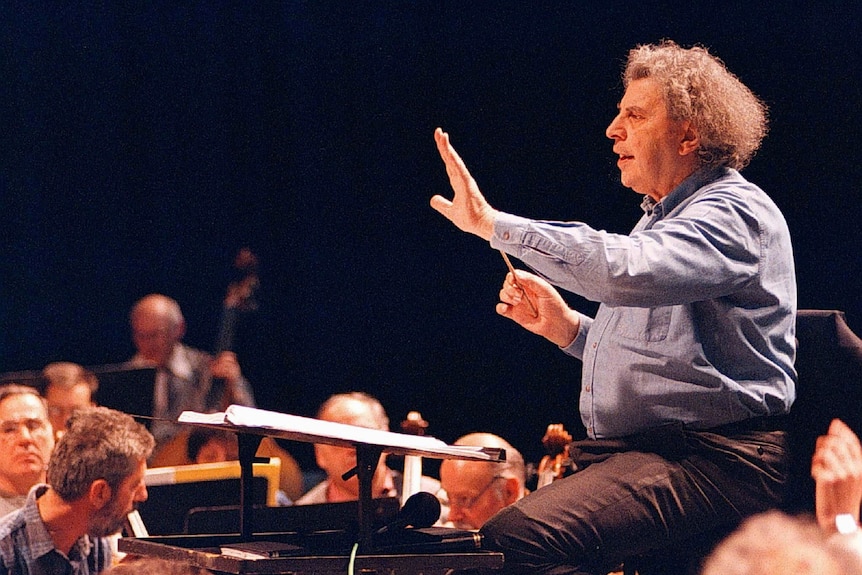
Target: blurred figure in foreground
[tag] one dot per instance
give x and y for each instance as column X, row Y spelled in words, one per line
column 155, row 566
column 771, row 543
column 836, row 467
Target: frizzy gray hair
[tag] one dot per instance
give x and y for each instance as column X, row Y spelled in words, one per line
column 730, row 119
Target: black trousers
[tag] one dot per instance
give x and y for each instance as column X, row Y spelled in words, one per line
column 670, row 488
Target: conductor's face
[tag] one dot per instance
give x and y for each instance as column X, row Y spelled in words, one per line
column 656, row 153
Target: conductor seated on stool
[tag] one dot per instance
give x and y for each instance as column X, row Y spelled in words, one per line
column 476, row 490
column 360, row 409
column 688, row 363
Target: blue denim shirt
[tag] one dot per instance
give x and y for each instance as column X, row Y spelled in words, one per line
column 698, row 306
column 26, row 547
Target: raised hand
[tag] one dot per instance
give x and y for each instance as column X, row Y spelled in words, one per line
column 468, row 209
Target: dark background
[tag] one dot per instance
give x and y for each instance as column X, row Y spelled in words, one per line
column 144, row 143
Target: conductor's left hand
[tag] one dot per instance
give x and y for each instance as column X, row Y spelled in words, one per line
column 468, row 209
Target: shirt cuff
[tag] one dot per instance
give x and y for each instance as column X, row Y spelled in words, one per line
column 508, row 232
column 576, row 348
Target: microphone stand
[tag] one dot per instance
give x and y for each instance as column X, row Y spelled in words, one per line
column 367, row 458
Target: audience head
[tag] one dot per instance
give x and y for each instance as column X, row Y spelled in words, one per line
column 26, row 438
column 68, row 388
column 354, row 408
column 774, row 542
column 730, row 120
column 157, row 326
column 207, row 445
column 146, row 565
column 102, row 457
column 476, row 490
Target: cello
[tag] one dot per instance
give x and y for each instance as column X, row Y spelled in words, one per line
column 557, row 463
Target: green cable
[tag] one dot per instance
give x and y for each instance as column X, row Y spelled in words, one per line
column 352, row 558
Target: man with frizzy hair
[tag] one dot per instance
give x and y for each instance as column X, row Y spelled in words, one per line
column 687, row 366
column 95, row 479
column 147, row 565
column 773, row 542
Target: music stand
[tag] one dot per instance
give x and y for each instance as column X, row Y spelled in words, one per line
column 125, row 388
column 30, row 378
column 251, row 425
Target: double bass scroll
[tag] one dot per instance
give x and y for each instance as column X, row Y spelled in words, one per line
column 241, row 297
column 557, row 463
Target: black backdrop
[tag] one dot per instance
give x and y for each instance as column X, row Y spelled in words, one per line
column 144, row 143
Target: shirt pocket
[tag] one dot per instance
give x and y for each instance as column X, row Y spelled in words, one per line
column 644, row 323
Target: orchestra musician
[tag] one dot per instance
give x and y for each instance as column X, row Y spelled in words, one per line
column 186, row 378
column 26, row 442
column 363, row 410
column 68, row 387
column 473, row 491
column 95, row 478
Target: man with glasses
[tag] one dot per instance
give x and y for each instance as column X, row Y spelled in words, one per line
column 68, row 388
column 476, row 490
column 26, row 441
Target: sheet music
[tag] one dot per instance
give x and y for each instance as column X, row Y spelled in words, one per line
column 263, row 422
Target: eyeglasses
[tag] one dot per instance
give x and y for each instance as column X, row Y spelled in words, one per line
column 35, row 426
column 59, row 411
column 465, row 502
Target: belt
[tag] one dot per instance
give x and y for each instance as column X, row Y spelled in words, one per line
column 762, row 423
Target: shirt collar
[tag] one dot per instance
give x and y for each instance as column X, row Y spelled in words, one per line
column 41, row 542
column 685, row 189
column 179, row 364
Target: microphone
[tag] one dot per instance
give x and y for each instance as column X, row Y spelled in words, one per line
column 422, row 509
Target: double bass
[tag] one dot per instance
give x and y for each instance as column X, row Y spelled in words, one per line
column 239, row 298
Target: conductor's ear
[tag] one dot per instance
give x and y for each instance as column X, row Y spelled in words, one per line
column 690, row 139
